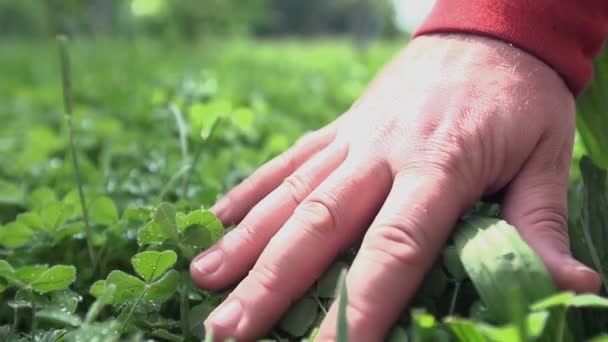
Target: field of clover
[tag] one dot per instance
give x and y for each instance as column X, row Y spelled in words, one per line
column 112, row 151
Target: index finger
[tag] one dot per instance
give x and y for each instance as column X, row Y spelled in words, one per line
column 398, row 249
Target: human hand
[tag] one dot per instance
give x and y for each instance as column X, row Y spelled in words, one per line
column 451, row 119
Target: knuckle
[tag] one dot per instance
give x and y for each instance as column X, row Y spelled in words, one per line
column 296, row 187
column 318, row 216
column 266, row 277
column 288, row 161
column 398, row 244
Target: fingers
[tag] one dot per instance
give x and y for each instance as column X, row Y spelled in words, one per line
column 326, row 222
column 398, row 249
column 234, row 255
column 536, row 203
column 237, row 203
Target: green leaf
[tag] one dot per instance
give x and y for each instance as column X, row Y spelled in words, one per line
column 424, row 325
column 152, row 264
column 327, row 286
column 102, row 300
column 41, row 197
column 152, row 234
column 299, row 317
column 591, row 234
column 7, row 273
column 55, row 278
column 59, row 316
column 95, row 332
column 342, row 328
column 15, row 234
column 199, row 230
column 452, row 263
column 166, row 335
column 65, row 300
column 197, row 316
column 128, row 287
column 397, row 334
column 164, row 288
column 3, row 285
column 31, row 220
column 492, row 251
column 103, row 211
column 98, row 288
column 11, row 193
column 54, row 215
column 28, row 274
column 465, row 330
column 569, row 299
column 164, row 215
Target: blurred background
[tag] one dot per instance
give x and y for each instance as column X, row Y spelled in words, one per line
column 192, row 20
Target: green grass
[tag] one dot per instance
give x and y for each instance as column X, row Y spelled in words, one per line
column 159, row 132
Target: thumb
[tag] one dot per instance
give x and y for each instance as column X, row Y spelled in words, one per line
column 536, row 203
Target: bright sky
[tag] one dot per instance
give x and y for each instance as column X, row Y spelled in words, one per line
column 410, row 13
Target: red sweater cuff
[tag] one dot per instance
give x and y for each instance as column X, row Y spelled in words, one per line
column 565, row 34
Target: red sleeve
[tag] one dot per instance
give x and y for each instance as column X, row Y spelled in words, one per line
column 566, row 34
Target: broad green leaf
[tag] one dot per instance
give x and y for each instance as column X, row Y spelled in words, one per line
column 128, row 287
column 195, row 239
column 197, row 316
column 152, row 264
column 7, row 274
column 492, row 251
column 164, row 215
column 199, row 230
column 151, row 234
column 103, row 211
column 465, row 330
column 28, row 274
column 41, row 197
column 31, row 220
column 15, row 234
column 59, row 316
column 3, row 285
column 11, row 193
column 54, row 215
column 342, row 322
column 98, row 288
column 136, row 214
column 163, row 288
column 55, row 278
column 327, row 285
column 299, row 318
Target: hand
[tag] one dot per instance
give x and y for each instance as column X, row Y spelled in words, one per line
column 451, row 119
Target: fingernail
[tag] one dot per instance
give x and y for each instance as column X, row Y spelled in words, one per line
column 209, row 263
column 220, row 208
column 227, row 316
